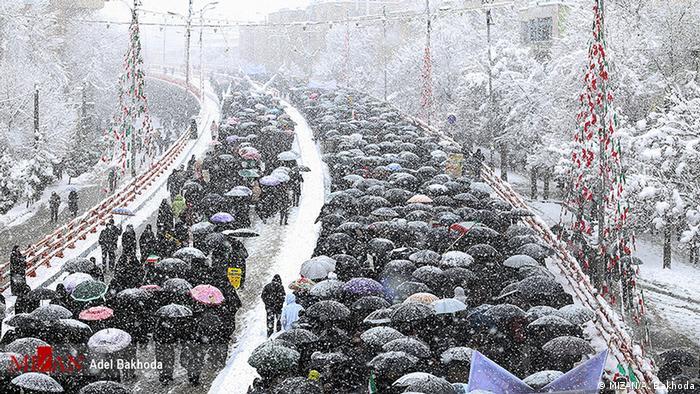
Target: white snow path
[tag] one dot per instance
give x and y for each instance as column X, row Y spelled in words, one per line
column 297, row 246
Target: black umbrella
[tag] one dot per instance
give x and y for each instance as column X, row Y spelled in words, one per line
column 79, row 264
column 412, row 312
column 71, row 330
column 445, row 200
column 430, row 384
column 378, row 336
column 483, row 252
column 370, row 203
column 174, row 311
column 520, row 240
column 425, row 257
column 395, row 363
column 41, row 293
column 408, row 345
column 36, row 382
column 385, row 213
column 398, row 269
column 533, row 250
column 271, row 359
column 567, row 346
column 342, row 199
column 51, row 312
column 539, row 287
column 397, row 196
column 379, row 317
column 105, row 387
column 542, row 378
column 25, row 321
column 25, row 346
column 407, row 289
column 418, row 215
column 380, row 245
column 172, row 267
column 519, row 229
column 327, row 311
column 298, row 336
column 368, row 304
column 503, row 314
column 430, row 275
column 417, row 207
column 298, row 385
column 462, row 277
column 549, row 327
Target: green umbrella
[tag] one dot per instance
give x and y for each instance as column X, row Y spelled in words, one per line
column 89, row 290
column 249, row 173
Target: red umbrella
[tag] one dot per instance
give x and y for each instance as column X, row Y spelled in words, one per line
column 96, row 313
column 463, row 227
column 207, row 294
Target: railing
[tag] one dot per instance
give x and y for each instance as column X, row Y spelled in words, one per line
column 608, row 323
column 56, row 243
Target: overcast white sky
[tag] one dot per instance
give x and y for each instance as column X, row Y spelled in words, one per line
column 245, row 10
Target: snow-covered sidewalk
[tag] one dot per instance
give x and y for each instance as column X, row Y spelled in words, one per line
column 297, row 245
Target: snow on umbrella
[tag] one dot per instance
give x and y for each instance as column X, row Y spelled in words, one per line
column 251, row 154
column 298, row 336
column 316, row 268
column 302, row 168
column 538, row 311
column 189, row 253
column 425, row 257
column 437, row 189
column 363, row 287
column 352, row 178
column 123, row 211
column 207, row 295
column 531, row 270
column 298, row 385
column 36, row 382
column 105, row 387
column 7, row 364
column 411, row 312
column 520, row 212
column 549, row 327
column 542, row 378
column 433, row 385
column 301, row 284
column 394, row 167
column 370, row 203
column 369, row 304
column 380, row 245
column 406, row 289
column 270, row 180
column 282, row 176
column 202, row 228
column 241, row 233
column 420, row 198
column 379, row 317
column 287, row 156
column 457, row 354
column 520, row 240
column 448, row 305
column 567, row 346
column 468, row 200
column 174, row 311
column 78, row 264
column 109, row 340
column 328, row 310
column 341, row 199
column 327, row 289
column 385, row 213
column 682, row 356
column 89, row 290
column 239, row 191
column 409, row 345
column 520, row 260
column 398, row 268
column 72, row 281
column 221, row 218
column 379, row 336
column 483, row 252
column 320, row 360
column 51, row 312
column 537, row 252
column 410, row 378
column 96, row 313
column 71, row 330
column 503, row 314
column 171, row 267
column 25, row 346
column 131, row 296
column 576, row 314
column 429, row 275
column 177, row 286
column 271, row 359
column 393, row 362
column 518, row 229
column 248, row 173
column 455, row 258
column 25, row 321
column 423, row 298
column 539, row 287
column 448, row 218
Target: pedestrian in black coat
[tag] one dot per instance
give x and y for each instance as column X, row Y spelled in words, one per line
column 167, row 335
column 165, row 220
column 73, row 203
column 181, row 233
column 18, row 270
column 273, row 295
column 54, row 203
column 129, row 273
column 109, row 237
column 285, row 204
column 129, row 241
column 147, row 243
column 295, row 181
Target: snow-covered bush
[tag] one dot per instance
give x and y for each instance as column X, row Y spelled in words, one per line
column 11, row 186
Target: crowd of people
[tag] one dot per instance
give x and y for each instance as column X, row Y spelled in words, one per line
column 170, row 285
column 416, row 268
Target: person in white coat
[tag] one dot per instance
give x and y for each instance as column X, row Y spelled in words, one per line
column 290, row 311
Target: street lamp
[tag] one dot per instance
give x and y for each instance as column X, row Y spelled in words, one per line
column 201, row 49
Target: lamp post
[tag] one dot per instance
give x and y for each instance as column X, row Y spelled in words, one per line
column 201, row 49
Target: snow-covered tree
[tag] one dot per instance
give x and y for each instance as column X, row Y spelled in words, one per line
column 10, row 184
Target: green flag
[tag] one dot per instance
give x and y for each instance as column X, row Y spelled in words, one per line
column 372, row 384
column 621, row 369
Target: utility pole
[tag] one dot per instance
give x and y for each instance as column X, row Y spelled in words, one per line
column 188, row 32
column 426, row 99
column 384, row 50
column 36, row 117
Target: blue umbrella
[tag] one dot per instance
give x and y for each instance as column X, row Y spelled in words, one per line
column 123, row 211
column 221, row 217
column 394, row 167
column 363, row 287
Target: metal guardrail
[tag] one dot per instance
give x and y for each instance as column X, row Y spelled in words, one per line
column 63, row 238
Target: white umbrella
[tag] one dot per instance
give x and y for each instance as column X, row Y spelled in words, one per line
column 287, row 156
column 72, row 281
column 448, row 305
column 109, row 340
column 317, row 268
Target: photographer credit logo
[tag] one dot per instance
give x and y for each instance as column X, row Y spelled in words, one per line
column 47, row 362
